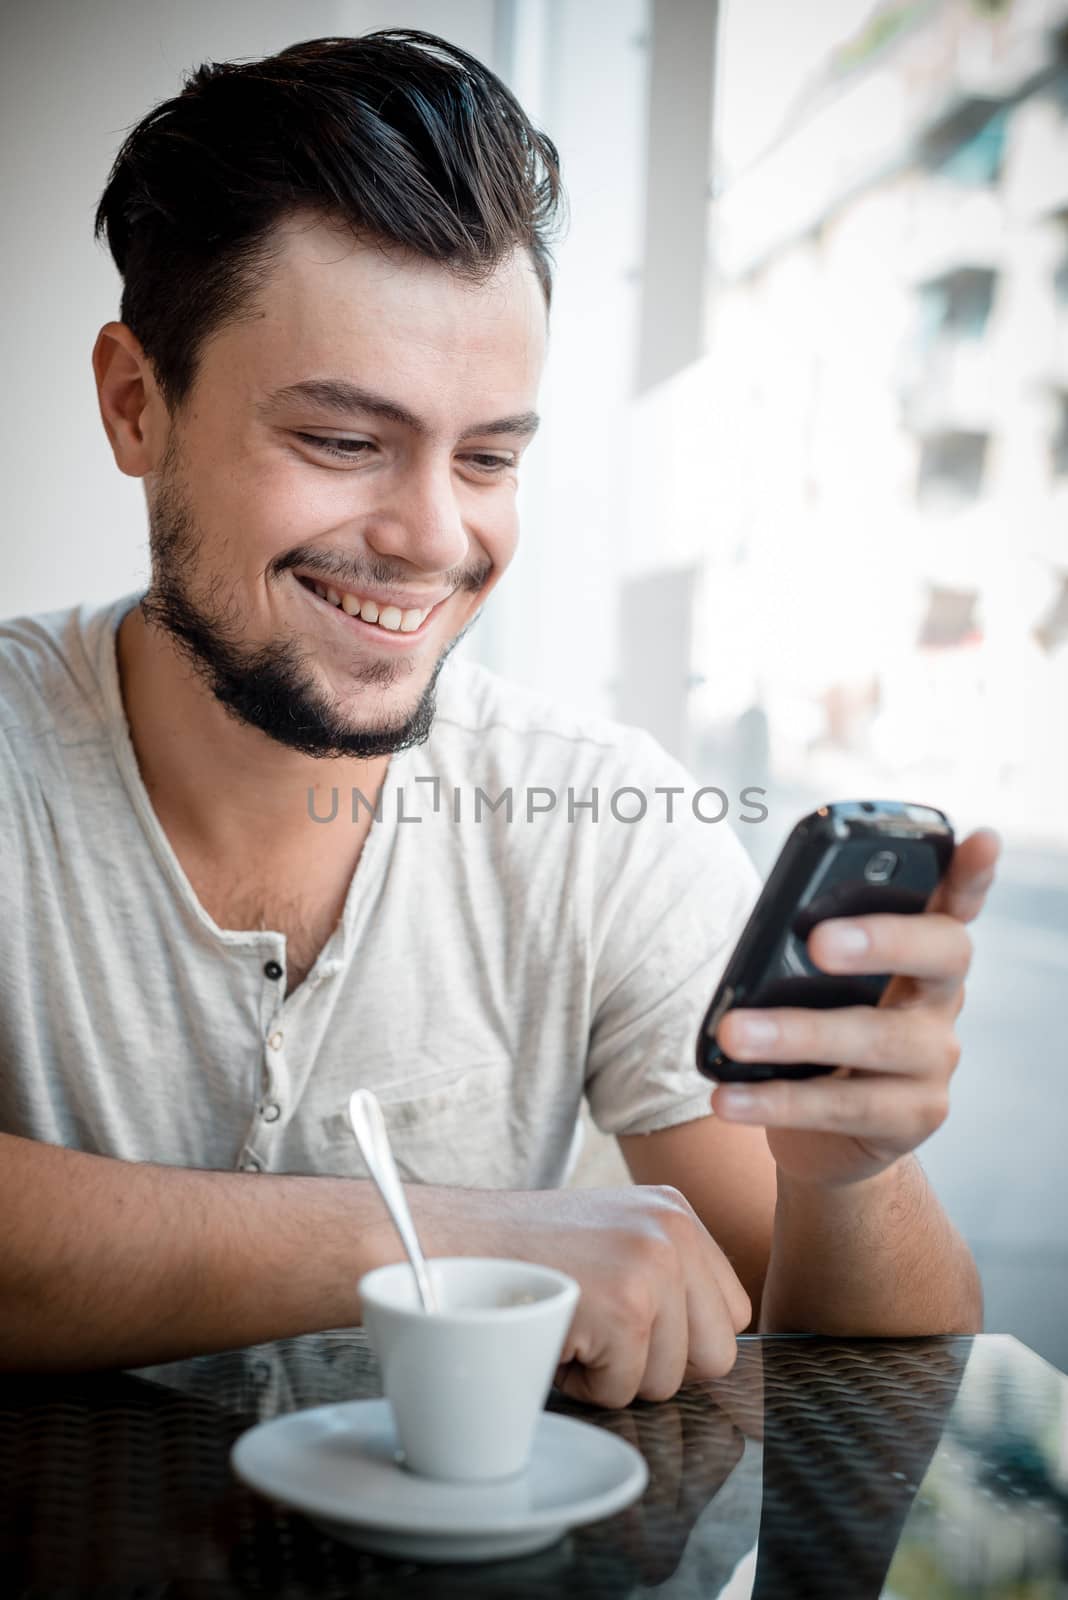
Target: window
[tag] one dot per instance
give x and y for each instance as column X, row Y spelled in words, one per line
column 1060, row 272
column 957, row 305
column 1060, row 281
column 1052, row 631
column 949, row 618
column 968, row 145
column 1058, row 444
column 1058, row 90
column 951, row 470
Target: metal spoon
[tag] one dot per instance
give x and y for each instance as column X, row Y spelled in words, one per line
column 369, row 1126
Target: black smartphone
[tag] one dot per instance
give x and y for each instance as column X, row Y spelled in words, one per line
column 843, row 860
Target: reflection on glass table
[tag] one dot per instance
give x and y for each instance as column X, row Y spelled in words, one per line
column 922, row 1469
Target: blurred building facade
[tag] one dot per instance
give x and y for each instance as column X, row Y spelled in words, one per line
column 882, row 480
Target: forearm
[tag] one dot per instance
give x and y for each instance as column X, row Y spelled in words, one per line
column 875, row 1258
column 107, row 1263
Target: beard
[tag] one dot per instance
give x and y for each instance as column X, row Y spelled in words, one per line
column 272, row 686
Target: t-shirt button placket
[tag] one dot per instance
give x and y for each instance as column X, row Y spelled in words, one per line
column 270, row 1110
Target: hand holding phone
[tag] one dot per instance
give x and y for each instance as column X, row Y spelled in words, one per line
column 845, row 859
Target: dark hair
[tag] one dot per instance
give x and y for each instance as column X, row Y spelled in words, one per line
column 405, row 137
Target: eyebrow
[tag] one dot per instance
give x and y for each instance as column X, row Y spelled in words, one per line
column 342, row 398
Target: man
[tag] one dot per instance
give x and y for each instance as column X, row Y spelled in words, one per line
column 221, row 920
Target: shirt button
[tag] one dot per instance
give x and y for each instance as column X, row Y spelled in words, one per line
column 271, row 1112
column 271, row 969
column 275, row 1041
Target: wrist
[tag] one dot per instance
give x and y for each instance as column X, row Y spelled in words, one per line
column 844, row 1211
column 460, row 1222
column 850, row 1190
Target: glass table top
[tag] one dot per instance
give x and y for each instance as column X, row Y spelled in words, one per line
column 923, row 1469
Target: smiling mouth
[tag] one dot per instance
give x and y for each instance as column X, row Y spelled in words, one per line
column 386, row 626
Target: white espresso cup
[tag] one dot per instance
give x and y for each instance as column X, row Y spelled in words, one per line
column 467, row 1383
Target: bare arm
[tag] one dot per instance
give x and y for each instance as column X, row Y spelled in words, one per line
column 107, row 1263
column 879, row 1257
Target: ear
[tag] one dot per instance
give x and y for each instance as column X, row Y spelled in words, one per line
column 131, row 408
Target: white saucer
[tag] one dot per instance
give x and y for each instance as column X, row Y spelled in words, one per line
column 341, row 1466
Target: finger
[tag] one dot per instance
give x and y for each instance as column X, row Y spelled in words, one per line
column 971, row 872
column 713, row 1336
column 611, row 1382
column 932, row 945
column 701, row 1307
column 606, row 1361
column 915, row 1041
column 665, row 1362
column 715, row 1268
column 884, row 1110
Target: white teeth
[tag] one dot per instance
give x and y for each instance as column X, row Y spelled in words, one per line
column 392, row 618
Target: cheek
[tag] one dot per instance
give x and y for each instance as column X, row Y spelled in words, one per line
column 261, row 512
column 500, row 534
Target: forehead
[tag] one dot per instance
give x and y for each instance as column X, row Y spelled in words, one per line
column 331, row 302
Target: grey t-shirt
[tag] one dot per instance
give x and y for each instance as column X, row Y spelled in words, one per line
column 486, row 972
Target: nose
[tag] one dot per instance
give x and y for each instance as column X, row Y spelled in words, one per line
column 421, row 522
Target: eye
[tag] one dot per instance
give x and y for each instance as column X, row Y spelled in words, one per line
column 352, row 449
column 345, row 449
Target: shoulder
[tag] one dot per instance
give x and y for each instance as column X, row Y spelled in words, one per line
column 49, row 673
column 627, row 804
column 474, row 699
